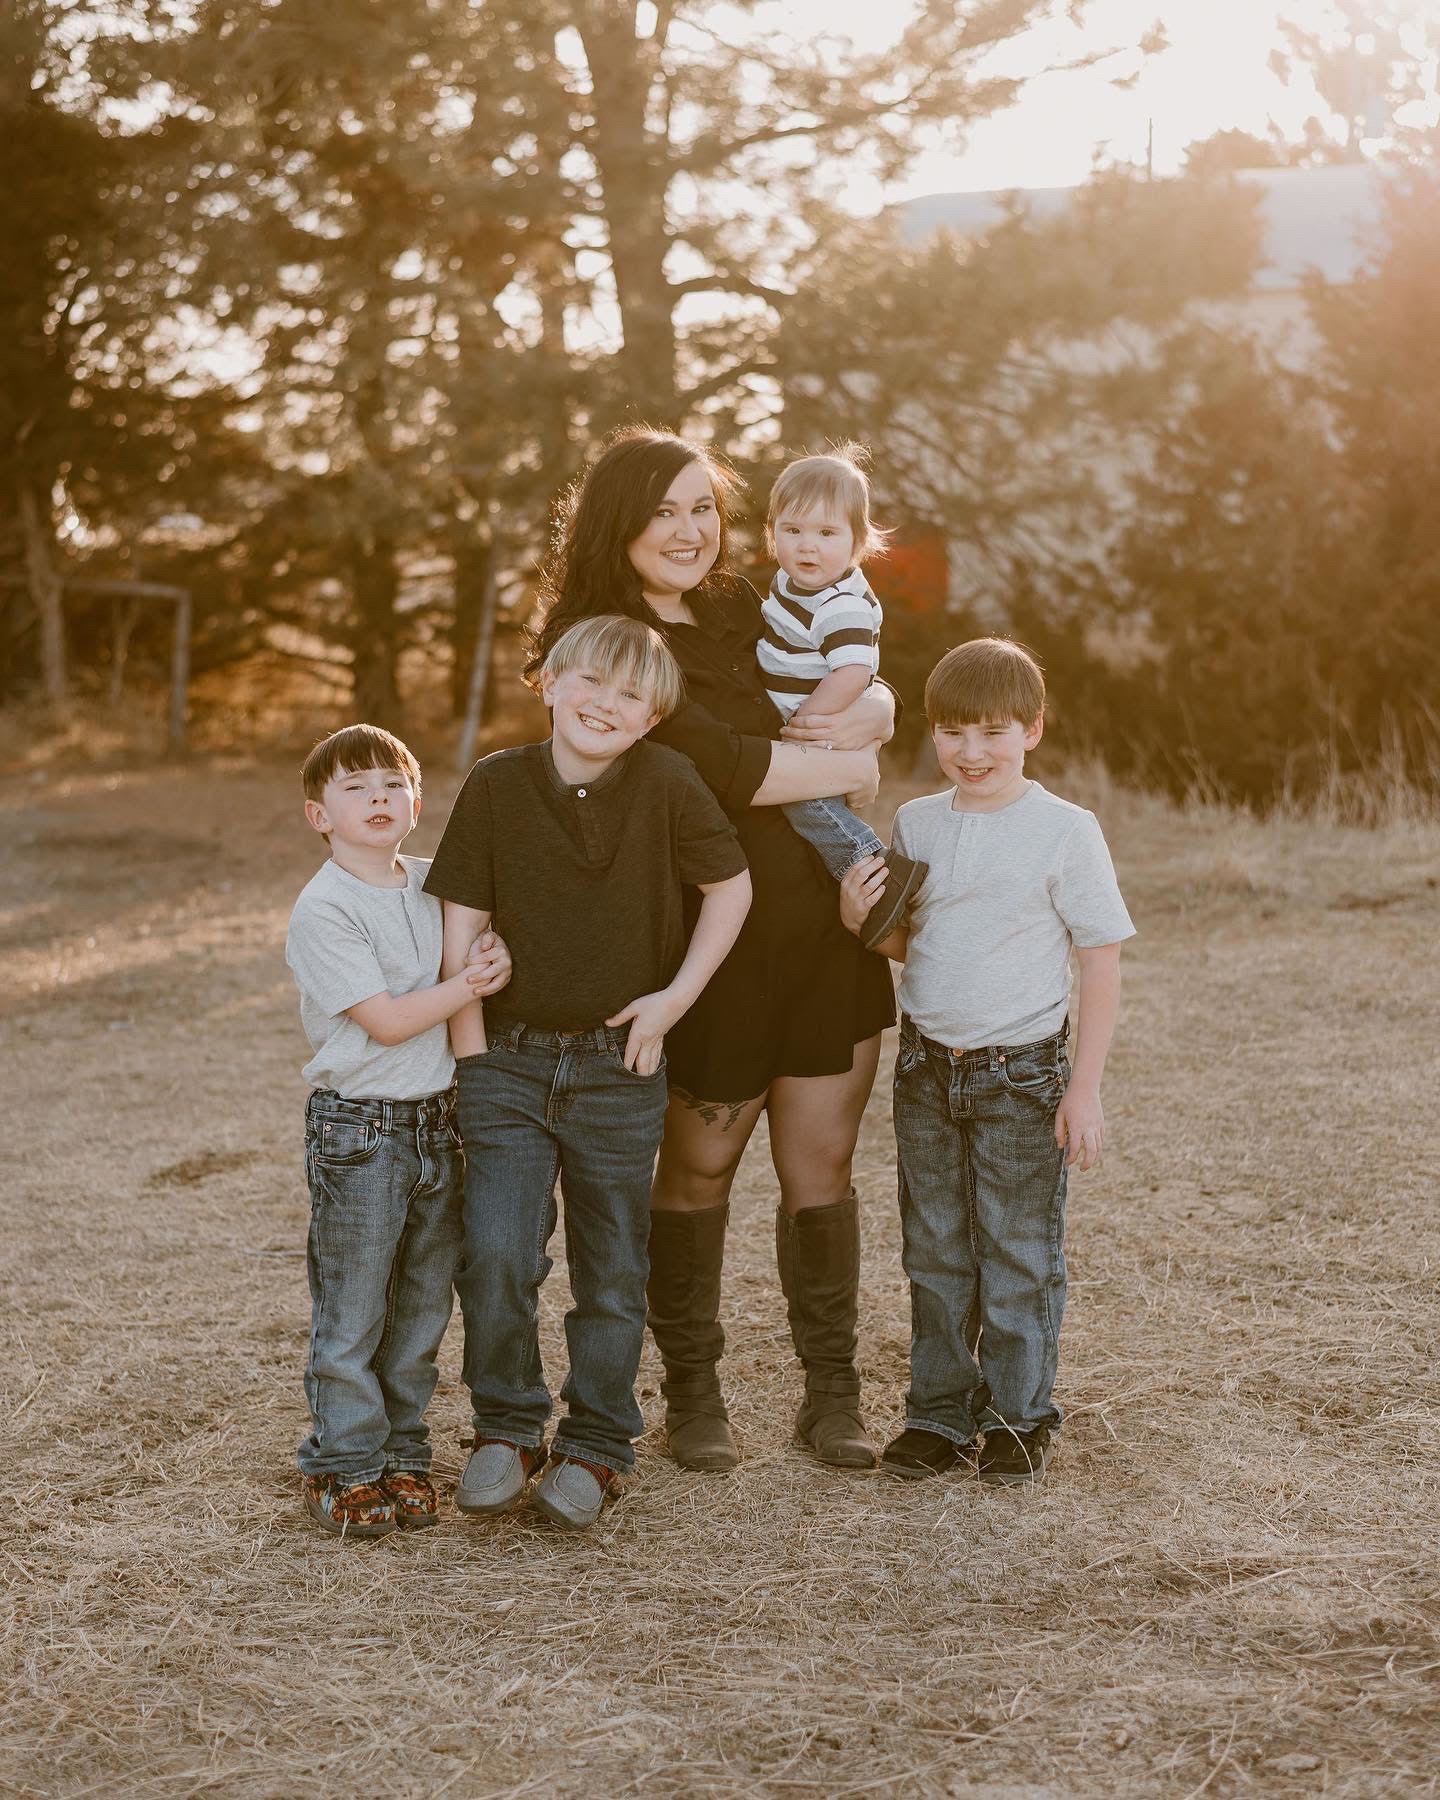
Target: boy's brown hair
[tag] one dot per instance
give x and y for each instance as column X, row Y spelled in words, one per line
column 836, row 480
column 988, row 678
column 352, row 750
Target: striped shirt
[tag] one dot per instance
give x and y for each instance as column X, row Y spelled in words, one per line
column 806, row 636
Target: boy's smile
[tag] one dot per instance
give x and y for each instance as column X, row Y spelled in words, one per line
column 596, row 718
column 986, row 760
column 814, row 548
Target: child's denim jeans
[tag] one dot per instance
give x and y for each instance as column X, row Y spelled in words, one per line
column 830, row 827
column 982, row 1212
column 535, row 1107
column 385, row 1192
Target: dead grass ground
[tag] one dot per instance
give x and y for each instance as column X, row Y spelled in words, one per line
column 1229, row 1585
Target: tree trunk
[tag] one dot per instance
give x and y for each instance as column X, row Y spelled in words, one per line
column 635, row 177
column 47, row 587
column 375, row 630
column 472, row 572
column 484, row 651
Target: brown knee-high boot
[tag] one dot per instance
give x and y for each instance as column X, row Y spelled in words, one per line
column 818, row 1251
column 687, row 1252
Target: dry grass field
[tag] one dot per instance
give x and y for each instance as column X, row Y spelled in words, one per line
column 1229, row 1585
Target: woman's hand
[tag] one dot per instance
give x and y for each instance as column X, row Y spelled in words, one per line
column 864, row 725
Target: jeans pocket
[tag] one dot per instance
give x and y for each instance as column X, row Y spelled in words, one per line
column 656, row 1074
column 342, row 1142
column 909, row 1056
column 1038, row 1077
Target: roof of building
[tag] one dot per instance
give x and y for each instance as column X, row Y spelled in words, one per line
column 1315, row 219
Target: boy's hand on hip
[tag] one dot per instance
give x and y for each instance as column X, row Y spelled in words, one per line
column 1080, row 1127
column 649, row 1018
column 488, row 965
column 860, row 889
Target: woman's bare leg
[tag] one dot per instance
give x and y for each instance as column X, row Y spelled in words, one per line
column 814, row 1126
column 704, row 1141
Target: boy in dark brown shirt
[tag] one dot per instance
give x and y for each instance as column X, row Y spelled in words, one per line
column 578, row 849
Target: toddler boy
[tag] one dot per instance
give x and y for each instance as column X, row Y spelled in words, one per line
column 578, row 849
column 988, row 1115
column 819, row 649
column 381, row 1155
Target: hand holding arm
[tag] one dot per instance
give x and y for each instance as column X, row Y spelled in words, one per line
column 489, row 958
column 722, row 913
column 859, row 890
column 866, row 722
column 396, row 1018
column 1080, row 1120
column 463, row 925
column 840, row 689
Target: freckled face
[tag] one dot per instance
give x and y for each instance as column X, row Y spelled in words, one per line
column 677, row 549
column 986, row 761
column 596, row 716
column 376, row 808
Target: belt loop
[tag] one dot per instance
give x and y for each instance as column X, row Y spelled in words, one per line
column 387, row 1116
column 602, row 1037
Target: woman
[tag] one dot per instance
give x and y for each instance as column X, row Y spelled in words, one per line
column 790, row 1024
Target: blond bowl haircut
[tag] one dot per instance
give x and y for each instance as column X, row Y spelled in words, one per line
column 987, row 679
column 836, row 481
column 352, row 751
column 621, row 649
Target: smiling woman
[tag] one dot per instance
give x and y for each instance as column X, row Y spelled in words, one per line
column 790, row 1023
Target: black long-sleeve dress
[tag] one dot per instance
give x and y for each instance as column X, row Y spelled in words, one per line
column 797, row 992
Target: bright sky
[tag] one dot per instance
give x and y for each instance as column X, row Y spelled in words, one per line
column 1213, row 76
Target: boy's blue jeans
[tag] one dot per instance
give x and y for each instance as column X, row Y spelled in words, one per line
column 830, row 827
column 534, row 1107
column 385, row 1191
column 982, row 1212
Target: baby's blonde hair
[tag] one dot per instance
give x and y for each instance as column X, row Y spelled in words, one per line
column 837, row 480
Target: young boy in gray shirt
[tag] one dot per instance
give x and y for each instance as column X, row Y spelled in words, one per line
column 381, row 1153
column 988, row 1114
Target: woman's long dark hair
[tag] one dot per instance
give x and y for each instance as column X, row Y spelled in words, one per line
column 601, row 514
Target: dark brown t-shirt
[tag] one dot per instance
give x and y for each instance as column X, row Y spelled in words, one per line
column 583, row 882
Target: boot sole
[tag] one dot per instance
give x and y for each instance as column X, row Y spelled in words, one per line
column 561, row 1518
column 914, row 1472
column 492, row 1509
column 832, row 1462
column 417, row 1522
column 343, row 1530
column 707, row 1465
column 1023, row 1478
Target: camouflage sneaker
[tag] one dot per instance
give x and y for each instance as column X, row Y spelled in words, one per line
column 360, row 1509
column 413, row 1496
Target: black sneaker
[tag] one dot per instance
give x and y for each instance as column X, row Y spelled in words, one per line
column 916, row 1454
column 902, row 882
column 1015, row 1458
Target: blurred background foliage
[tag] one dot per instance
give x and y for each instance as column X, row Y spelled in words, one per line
column 313, row 309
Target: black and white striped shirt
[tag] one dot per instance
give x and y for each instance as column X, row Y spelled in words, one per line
column 806, row 636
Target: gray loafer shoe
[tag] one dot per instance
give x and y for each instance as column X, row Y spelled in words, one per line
column 572, row 1493
column 496, row 1477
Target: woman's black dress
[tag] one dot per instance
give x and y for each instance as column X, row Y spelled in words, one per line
column 797, row 992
